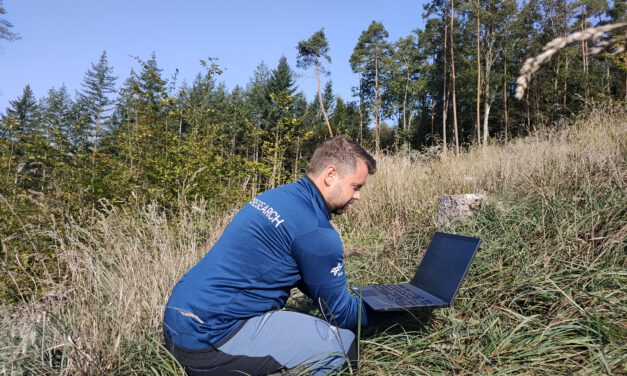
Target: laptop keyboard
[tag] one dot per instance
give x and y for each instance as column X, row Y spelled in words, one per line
column 402, row 296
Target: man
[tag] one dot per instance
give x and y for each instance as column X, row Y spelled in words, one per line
column 224, row 316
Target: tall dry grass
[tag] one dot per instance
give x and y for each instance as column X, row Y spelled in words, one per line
column 405, row 189
column 106, row 315
column 545, row 295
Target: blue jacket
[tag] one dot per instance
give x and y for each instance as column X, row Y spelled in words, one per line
column 279, row 240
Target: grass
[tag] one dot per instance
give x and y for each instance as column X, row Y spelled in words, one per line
column 545, row 294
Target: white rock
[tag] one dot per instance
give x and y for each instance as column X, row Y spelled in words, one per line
column 458, row 207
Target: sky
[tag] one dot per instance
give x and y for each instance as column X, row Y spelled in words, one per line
column 61, row 39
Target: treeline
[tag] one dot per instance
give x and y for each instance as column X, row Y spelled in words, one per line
column 151, row 137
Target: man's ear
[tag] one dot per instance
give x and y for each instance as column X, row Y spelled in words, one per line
column 330, row 175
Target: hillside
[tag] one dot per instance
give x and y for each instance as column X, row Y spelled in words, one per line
column 545, row 294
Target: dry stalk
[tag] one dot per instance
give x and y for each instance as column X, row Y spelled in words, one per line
column 533, row 64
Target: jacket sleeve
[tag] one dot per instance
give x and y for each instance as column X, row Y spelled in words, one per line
column 321, row 264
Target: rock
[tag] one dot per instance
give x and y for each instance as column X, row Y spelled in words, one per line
column 458, row 207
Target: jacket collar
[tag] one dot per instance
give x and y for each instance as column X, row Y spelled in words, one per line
column 322, row 204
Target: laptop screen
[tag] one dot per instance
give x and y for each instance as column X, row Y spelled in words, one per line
column 444, row 265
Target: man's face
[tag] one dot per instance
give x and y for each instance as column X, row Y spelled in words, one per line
column 347, row 188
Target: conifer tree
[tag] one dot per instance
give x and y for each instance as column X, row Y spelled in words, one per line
column 282, row 78
column 58, row 120
column 5, row 25
column 369, row 58
column 25, row 110
column 311, row 52
column 285, row 120
column 496, row 20
column 151, row 88
column 96, row 106
column 405, row 84
column 617, row 13
column 316, row 116
column 98, row 86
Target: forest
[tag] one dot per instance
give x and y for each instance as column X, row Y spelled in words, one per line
column 149, row 137
column 109, row 194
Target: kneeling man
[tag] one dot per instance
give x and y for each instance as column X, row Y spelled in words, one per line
column 224, row 316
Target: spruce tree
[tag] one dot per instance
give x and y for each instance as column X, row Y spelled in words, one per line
column 58, row 120
column 98, row 86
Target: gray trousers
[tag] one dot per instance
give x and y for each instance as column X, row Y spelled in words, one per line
column 275, row 341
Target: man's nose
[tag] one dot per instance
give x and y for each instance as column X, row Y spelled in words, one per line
column 357, row 195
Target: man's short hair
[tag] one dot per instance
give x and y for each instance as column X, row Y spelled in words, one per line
column 341, row 152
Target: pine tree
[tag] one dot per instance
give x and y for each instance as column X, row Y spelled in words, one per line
column 5, row 25
column 310, row 52
column 369, row 59
column 617, row 73
column 496, row 19
column 434, row 43
column 453, row 76
column 406, row 83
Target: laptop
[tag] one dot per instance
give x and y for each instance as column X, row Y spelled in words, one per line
column 436, row 281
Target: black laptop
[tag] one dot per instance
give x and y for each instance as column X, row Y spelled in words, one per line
column 437, row 279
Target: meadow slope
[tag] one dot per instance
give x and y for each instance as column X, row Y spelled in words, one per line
column 545, row 294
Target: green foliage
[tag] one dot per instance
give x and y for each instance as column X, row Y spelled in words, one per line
column 310, row 51
column 370, row 60
column 155, row 140
column 543, row 295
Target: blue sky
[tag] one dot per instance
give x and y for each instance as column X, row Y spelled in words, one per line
column 61, row 39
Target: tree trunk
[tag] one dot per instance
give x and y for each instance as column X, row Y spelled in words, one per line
column 296, row 159
column 528, row 111
column 505, row 109
column 489, row 61
column 405, row 122
column 432, row 120
column 584, row 52
column 361, row 114
column 275, row 162
column 376, row 103
column 607, row 76
column 95, row 151
column 255, row 184
column 445, row 91
column 478, row 127
column 486, row 115
column 453, row 81
column 565, row 84
column 324, row 113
